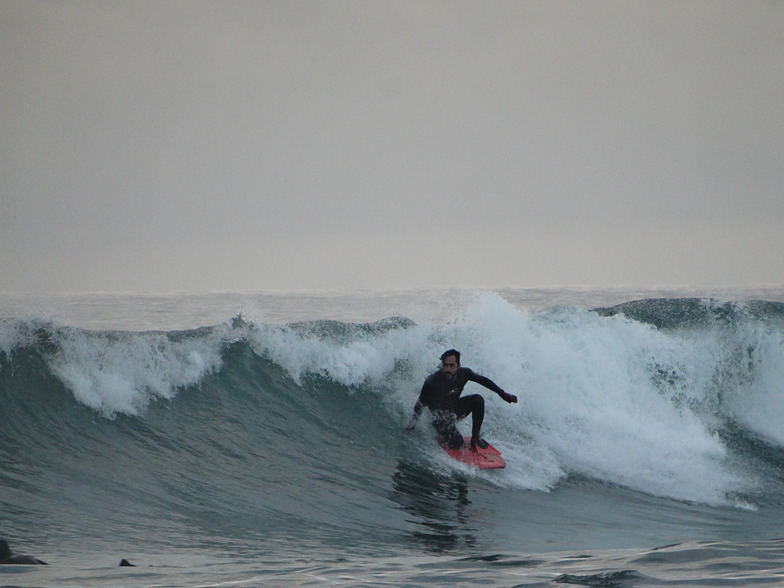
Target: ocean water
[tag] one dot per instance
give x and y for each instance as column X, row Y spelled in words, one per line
column 247, row 439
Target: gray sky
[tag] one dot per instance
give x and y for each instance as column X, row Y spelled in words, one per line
column 224, row 145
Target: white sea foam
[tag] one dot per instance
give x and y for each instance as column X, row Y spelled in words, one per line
column 608, row 398
column 122, row 372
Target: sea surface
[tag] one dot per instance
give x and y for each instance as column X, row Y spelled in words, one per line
column 257, row 438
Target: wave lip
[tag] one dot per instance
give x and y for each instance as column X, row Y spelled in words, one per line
column 115, row 372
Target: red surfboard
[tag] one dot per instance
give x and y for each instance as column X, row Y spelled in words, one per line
column 484, row 459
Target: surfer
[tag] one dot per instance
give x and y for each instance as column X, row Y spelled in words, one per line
column 441, row 395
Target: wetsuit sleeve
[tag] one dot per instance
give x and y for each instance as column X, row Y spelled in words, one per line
column 483, row 381
column 425, row 396
column 421, row 402
column 418, row 408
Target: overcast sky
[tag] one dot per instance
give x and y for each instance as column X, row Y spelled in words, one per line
column 201, row 146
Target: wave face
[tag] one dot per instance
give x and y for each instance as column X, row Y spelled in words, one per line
column 293, row 432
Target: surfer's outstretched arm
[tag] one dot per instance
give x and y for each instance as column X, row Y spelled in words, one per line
column 490, row 385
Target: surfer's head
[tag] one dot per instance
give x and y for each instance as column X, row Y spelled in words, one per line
column 450, row 361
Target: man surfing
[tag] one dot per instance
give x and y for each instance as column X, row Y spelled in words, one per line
column 441, row 395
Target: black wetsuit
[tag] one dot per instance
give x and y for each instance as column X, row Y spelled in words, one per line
column 443, row 398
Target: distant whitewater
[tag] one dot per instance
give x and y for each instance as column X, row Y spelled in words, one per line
column 640, row 424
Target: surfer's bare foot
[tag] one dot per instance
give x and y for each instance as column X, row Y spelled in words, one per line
column 477, row 442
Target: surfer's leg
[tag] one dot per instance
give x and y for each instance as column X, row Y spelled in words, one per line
column 475, row 406
column 445, row 427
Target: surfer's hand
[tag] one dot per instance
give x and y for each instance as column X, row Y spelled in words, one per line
column 510, row 398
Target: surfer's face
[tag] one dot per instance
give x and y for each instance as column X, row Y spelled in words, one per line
column 449, row 366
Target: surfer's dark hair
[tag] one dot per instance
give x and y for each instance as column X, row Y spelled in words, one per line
column 449, row 352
